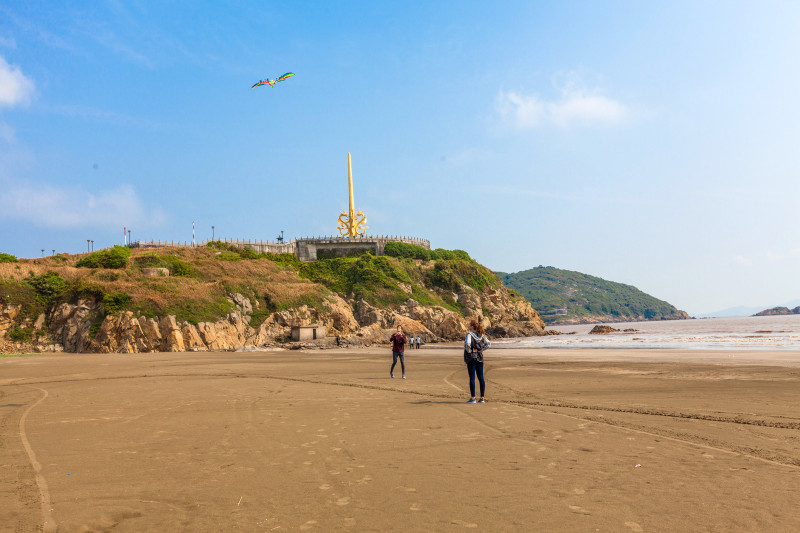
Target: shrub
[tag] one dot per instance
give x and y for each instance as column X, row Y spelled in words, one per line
column 177, row 267
column 229, row 256
column 405, row 250
column 402, row 249
column 289, row 260
column 47, row 286
column 19, row 334
column 115, row 257
column 7, row 258
column 115, row 302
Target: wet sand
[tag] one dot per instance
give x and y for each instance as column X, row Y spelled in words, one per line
column 581, row 440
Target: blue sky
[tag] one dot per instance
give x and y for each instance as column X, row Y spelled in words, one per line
column 650, row 143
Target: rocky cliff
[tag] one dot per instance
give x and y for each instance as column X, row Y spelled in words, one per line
column 100, row 318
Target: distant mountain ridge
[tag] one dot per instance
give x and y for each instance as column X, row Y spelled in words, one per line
column 745, row 310
column 568, row 297
column 776, row 311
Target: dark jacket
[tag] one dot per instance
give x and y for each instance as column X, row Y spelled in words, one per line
column 398, row 342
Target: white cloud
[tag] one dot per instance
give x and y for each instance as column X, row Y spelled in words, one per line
column 15, row 87
column 47, row 206
column 577, row 105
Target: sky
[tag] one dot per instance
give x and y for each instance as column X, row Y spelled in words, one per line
column 655, row 144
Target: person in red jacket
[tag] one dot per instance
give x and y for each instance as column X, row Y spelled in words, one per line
column 398, row 347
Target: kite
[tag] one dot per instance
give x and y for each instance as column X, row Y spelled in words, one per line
column 272, row 83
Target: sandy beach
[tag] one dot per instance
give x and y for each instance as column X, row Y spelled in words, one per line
column 570, row 440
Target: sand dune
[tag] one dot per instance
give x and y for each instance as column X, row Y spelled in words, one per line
column 289, row 441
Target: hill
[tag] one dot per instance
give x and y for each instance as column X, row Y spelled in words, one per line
column 221, row 297
column 568, row 297
column 776, row 311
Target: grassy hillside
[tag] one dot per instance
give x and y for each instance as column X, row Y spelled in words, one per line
column 201, row 280
column 564, row 296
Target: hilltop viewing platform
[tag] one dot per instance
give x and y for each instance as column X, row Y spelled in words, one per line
column 306, row 248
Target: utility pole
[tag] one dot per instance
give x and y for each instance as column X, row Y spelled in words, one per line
column 130, row 243
column 212, row 233
column 87, row 245
column 42, row 252
column 93, row 246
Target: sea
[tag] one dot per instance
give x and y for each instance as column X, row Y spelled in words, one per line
column 729, row 333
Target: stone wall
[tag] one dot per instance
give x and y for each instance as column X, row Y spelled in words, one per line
column 308, row 248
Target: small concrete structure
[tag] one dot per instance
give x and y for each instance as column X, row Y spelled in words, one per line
column 155, row 272
column 310, row 248
column 330, row 247
column 308, row 333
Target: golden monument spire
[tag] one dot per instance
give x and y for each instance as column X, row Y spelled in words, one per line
column 352, row 223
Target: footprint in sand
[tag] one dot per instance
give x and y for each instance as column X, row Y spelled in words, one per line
column 408, row 489
column 415, row 507
column 634, row 526
column 334, row 472
column 349, row 522
column 464, row 524
column 540, row 476
column 308, row 525
column 365, row 479
column 324, row 486
column 579, row 491
column 343, row 501
column 578, row 510
column 708, row 456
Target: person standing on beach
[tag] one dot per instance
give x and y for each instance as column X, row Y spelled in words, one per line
column 417, row 342
column 474, row 345
column 398, row 347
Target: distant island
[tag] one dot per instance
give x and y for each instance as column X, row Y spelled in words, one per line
column 775, row 311
column 568, row 297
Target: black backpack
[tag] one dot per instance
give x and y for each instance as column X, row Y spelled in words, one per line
column 478, row 344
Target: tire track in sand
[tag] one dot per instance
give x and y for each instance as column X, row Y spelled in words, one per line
column 47, row 510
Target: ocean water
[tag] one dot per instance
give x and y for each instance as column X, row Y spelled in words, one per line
column 729, row 333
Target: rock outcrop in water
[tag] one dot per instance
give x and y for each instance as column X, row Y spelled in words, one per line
column 777, row 311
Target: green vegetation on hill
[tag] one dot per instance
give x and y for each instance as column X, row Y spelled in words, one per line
column 386, row 280
column 564, row 296
column 202, row 280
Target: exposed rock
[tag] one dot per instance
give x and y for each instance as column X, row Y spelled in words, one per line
column 368, row 315
column 155, row 272
column 70, row 325
column 191, row 338
column 602, row 330
column 172, row 338
column 340, row 319
column 242, row 303
column 121, row 334
column 151, row 332
column 443, row 323
column 7, row 316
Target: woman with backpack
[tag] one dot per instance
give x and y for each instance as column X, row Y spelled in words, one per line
column 474, row 345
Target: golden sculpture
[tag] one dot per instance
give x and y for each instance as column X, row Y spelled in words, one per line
column 352, row 223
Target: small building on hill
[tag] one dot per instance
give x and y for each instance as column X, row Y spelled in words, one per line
column 308, row 333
